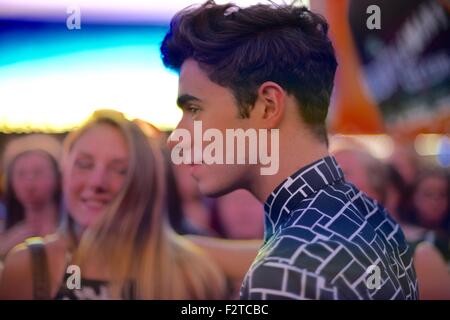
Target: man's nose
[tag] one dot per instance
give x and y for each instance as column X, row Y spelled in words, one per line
column 171, row 141
column 180, row 137
column 181, row 142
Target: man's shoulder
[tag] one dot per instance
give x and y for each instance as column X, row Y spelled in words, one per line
column 350, row 238
column 319, row 270
column 331, row 200
column 340, row 212
column 328, row 269
column 327, row 247
column 325, row 257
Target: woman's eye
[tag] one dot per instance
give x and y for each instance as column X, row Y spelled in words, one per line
column 121, row 171
column 83, row 164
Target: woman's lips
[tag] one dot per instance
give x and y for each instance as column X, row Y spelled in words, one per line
column 94, row 204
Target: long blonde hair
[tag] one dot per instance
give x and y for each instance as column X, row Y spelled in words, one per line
column 133, row 237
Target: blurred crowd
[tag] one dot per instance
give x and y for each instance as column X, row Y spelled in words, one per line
column 110, row 191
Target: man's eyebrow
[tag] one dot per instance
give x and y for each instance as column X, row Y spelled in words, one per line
column 184, row 99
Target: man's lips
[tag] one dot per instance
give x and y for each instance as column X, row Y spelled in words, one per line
column 193, row 167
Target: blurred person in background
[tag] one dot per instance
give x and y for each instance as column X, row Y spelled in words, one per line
column 371, row 176
column 406, row 161
column 364, row 171
column 195, row 207
column 2, row 205
column 397, row 203
column 429, row 200
column 430, row 207
column 2, row 217
column 238, row 215
column 175, row 209
column 179, row 221
column 117, row 234
column 32, row 186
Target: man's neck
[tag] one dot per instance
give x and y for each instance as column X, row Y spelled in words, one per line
column 293, row 156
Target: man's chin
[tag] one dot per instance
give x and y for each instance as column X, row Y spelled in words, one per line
column 214, row 191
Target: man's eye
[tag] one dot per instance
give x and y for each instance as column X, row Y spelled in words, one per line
column 192, row 109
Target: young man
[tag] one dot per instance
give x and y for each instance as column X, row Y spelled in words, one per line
column 272, row 67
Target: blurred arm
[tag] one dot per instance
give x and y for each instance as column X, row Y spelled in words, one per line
column 432, row 273
column 234, row 257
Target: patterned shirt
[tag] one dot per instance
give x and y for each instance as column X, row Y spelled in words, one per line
column 325, row 239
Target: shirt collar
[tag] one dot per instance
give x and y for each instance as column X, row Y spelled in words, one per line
column 302, row 184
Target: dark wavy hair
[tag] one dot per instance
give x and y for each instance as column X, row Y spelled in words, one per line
column 241, row 48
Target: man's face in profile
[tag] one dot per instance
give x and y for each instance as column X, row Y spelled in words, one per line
column 215, row 107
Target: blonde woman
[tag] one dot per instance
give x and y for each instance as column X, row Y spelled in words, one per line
column 113, row 182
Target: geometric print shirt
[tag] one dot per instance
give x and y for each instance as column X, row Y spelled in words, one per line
column 325, row 239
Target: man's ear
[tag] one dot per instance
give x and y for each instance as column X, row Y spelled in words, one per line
column 271, row 100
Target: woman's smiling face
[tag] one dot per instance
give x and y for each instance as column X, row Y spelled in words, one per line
column 95, row 172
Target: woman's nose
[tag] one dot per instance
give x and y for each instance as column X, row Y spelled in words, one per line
column 98, row 179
